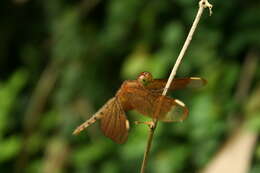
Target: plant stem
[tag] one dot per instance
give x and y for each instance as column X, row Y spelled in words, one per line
column 148, row 147
column 202, row 4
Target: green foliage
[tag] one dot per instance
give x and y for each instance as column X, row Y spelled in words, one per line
column 83, row 50
column 9, row 91
column 9, row 148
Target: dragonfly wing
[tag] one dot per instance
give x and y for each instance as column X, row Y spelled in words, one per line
column 147, row 102
column 114, row 123
column 177, row 83
column 170, row 110
column 142, row 100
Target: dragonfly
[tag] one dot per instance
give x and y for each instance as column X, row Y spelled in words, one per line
column 142, row 95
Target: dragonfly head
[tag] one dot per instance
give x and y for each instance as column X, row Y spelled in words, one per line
column 145, row 78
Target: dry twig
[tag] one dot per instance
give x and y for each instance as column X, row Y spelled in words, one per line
column 202, row 5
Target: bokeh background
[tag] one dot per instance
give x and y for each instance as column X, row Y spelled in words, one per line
column 61, row 60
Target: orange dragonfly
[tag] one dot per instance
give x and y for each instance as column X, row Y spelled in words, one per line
column 142, row 95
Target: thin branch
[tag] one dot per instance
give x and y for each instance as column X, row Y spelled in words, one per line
column 202, row 4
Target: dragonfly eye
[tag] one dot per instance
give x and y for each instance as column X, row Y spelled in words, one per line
column 145, row 78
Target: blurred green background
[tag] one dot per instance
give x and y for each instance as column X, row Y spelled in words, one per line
column 61, row 60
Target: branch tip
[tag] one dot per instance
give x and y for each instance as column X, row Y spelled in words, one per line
column 206, row 4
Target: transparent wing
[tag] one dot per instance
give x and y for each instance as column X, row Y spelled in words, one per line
column 114, row 123
column 177, row 83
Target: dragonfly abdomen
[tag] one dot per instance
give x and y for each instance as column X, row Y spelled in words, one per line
column 87, row 123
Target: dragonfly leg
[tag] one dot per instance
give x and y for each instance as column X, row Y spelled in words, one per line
column 149, row 123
